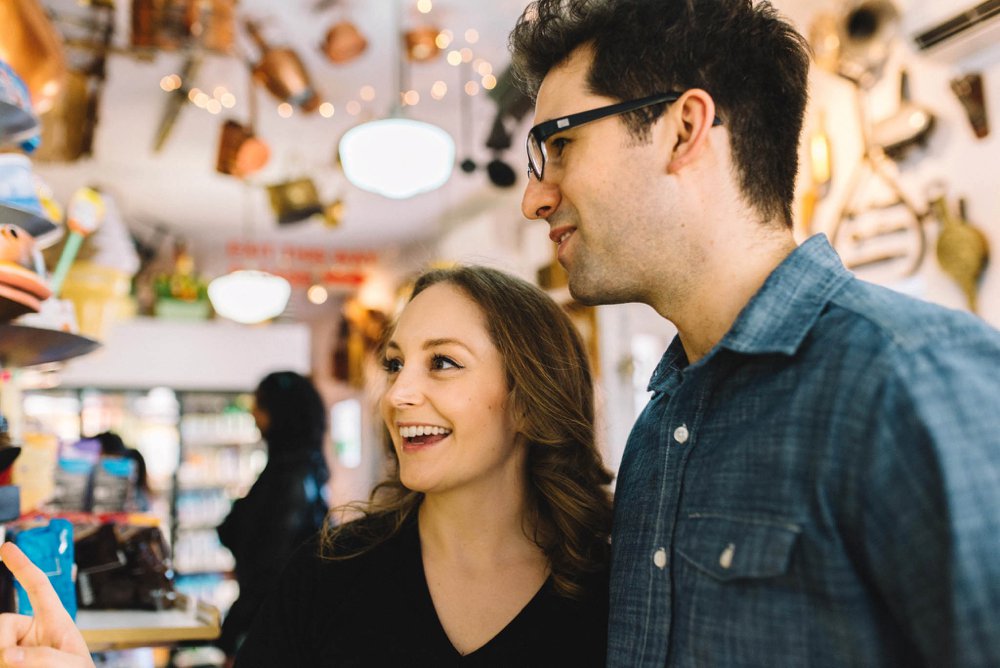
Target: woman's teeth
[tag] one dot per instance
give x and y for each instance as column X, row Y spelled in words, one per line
column 422, row 430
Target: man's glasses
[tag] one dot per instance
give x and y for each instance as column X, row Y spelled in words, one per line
column 538, row 135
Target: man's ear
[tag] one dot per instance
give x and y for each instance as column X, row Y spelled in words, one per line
column 693, row 114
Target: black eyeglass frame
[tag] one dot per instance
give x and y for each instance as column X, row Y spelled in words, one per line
column 541, row 132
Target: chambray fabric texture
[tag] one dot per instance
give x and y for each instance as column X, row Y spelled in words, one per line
column 821, row 489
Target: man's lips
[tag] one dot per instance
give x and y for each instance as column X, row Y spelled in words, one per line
column 557, row 234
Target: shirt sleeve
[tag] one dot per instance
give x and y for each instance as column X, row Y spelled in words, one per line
column 930, row 502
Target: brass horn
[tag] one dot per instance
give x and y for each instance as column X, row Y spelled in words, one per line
column 867, row 30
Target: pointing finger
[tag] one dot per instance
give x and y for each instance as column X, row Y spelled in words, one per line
column 44, row 600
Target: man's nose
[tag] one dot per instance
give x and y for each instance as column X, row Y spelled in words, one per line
column 540, row 200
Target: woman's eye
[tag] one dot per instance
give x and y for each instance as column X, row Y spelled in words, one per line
column 441, row 362
column 392, row 365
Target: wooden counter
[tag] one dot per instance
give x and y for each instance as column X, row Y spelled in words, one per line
column 121, row 629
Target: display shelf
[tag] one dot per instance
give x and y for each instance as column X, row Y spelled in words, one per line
column 122, row 629
column 22, row 346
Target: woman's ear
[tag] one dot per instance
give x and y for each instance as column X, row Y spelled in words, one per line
column 694, row 116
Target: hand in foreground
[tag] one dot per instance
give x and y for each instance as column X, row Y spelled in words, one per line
column 49, row 639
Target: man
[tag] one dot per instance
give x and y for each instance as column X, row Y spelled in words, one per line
column 816, row 478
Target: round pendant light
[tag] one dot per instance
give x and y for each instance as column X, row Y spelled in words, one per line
column 249, row 296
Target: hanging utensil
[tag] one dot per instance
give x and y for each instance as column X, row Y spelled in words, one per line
column 962, row 249
column 969, row 90
column 281, row 71
column 178, row 99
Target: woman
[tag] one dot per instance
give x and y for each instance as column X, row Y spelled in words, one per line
column 488, row 544
column 287, row 503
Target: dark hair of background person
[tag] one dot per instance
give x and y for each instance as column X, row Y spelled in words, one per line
column 112, row 445
column 295, row 411
column 551, row 389
column 754, row 65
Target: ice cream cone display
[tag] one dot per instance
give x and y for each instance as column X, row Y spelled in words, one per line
column 21, row 289
column 84, row 214
column 98, row 284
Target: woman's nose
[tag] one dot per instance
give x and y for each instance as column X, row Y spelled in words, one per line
column 403, row 391
column 540, row 200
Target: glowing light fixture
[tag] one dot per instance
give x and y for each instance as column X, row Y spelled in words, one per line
column 397, row 157
column 249, row 296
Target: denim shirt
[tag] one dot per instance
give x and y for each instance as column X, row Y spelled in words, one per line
column 821, row 489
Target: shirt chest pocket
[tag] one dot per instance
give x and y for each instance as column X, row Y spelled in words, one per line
column 731, row 548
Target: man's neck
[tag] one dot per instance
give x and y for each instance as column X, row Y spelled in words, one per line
column 734, row 273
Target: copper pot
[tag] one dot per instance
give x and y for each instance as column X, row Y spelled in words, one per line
column 240, row 152
column 281, row 71
column 344, row 42
column 421, row 43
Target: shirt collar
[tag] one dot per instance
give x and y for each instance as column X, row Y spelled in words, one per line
column 778, row 317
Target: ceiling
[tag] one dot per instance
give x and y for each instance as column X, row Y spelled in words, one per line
column 178, row 188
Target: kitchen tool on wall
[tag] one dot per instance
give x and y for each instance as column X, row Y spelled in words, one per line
column 183, row 24
column 962, row 248
column 30, row 44
column 879, row 227
column 68, row 129
column 856, row 43
column 178, row 98
column 909, row 126
column 820, row 172
column 282, row 72
column 295, row 200
column 969, row 90
column 241, row 152
column 344, row 41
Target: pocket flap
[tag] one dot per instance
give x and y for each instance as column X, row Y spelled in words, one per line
column 729, row 548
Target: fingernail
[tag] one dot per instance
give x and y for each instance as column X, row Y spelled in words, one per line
column 13, row 655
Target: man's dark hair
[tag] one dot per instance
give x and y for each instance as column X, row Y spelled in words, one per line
column 753, row 64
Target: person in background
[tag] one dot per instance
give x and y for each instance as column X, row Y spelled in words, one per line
column 112, row 445
column 288, row 502
column 488, row 543
column 815, row 480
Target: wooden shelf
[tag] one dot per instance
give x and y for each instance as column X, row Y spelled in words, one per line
column 122, row 629
column 22, row 346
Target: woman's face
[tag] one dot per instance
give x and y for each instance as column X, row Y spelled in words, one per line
column 446, row 399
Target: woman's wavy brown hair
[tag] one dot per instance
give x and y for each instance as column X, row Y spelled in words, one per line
column 551, row 393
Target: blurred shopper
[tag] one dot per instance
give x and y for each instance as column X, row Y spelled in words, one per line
column 112, row 445
column 288, row 502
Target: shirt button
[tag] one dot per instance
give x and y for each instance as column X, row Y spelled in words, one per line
column 681, row 434
column 660, row 558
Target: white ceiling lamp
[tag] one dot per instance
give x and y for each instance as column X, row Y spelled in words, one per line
column 249, row 296
column 397, row 157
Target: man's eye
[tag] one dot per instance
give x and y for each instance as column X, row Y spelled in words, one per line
column 392, row 365
column 441, row 362
column 557, row 144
